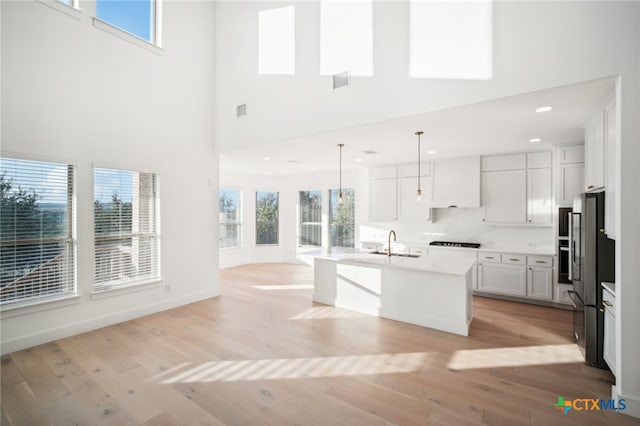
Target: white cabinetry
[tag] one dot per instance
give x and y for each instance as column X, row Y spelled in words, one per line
column 501, row 278
column 594, row 154
column 609, row 349
column 504, row 196
column 540, row 277
column 409, row 208
column 539, row 196
column 456, row 182
column 516, row 275
column 570, row 180
column 383, row 200
column 611, row 144
column 517, row 188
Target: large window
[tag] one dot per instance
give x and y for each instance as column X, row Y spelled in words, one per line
column 451, row 39
column 36, row 230
column 126, row 227
column 137, row 17
column 230, row 222
column 310, row 230
column 277, row 41
column 346, row 37
column 266, row 218
column 342, row 218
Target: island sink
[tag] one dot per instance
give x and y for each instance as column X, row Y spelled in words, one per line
column 395, row 254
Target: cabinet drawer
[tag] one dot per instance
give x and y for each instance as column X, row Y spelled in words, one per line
column 489, row 257
column 514, row 259
column 544, row 261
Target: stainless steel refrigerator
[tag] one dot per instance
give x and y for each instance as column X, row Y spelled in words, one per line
column 592, row 259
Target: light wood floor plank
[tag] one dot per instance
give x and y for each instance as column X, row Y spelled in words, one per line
column 258, row 355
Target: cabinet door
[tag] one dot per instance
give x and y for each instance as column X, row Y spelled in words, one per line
column 539, row 196
column 571, row 154
column 383, row 200
column 504, row 196
column 594, row 155
column 611, row 143
column 540, row 283
column 456, row 182
column 570, row 183
column 409, row 208
column 503, row 279
column 609, row 349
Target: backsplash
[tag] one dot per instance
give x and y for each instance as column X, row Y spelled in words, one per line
column 462, row 225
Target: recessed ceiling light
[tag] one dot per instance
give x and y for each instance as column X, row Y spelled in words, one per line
column 267, row 173
column 358, row 160
column 544, row 109
column 431, row 152
column 267, row 158
column 534, row 140
column 312, row 168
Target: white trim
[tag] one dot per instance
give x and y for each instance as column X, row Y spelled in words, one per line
column 19, row 343
column 127, row 36
column 37, row 305
column 71, row 11
column 119, row 290
column 633, row 404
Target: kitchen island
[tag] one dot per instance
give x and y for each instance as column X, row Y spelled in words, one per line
column 431, row 291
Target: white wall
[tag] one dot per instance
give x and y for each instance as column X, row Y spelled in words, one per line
column 537, row 45
column 74, row 93
column 288, row 188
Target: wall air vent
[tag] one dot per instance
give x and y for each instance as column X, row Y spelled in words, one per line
column 369, row 152
column 341, row 80
column 241, row 110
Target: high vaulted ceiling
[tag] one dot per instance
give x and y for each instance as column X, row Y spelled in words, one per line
column 501, row 125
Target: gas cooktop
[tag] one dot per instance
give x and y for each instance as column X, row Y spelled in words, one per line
column 454, row 244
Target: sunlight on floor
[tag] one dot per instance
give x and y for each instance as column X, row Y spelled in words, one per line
column 328, row 312
column 295, row 368
column 514, row 357
column 285, row 287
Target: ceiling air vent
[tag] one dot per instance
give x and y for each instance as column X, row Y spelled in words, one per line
column 369, row 152
column 241, row 110
column 341, row 80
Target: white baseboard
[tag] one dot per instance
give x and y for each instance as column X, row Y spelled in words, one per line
column 23, row 342
column 633, row 404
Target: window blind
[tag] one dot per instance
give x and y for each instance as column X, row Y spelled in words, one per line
column 125, row 227
column 36, row 230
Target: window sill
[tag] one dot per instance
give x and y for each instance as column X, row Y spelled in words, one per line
column 61, row 7
column 38, row 305
column 126, row 36
column 126, row 289
column 231, row 248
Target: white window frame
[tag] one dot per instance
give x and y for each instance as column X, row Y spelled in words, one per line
column 70, row 295
column 300, row 223
column 238, row 222
column 138, row 282
column 277, row 243
column 154, row 45
column 344, row 191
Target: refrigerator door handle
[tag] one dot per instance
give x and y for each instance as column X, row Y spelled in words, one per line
column 575, row 245
column 575, row 299
column 570, row 248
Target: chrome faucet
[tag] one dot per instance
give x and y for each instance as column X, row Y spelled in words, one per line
column 389, row 241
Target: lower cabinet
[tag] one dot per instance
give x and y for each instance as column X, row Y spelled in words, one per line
column 516, row 275
column 502, row 278
column 540, row 282
column 609, row 349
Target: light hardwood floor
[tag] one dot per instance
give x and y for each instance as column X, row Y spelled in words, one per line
column 263, row 353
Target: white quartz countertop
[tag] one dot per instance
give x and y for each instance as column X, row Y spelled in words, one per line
column 439, row 264
column 538, row 251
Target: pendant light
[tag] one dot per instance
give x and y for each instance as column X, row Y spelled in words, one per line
column 340, row 145
column 419, row 192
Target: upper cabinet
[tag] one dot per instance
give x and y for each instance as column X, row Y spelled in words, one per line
column 384, row 194
column 611, row 152
column 594, row 154
column 394, row 193
column 516, row 188
column 570, row 180
column 456, row 182
column 601, row 163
